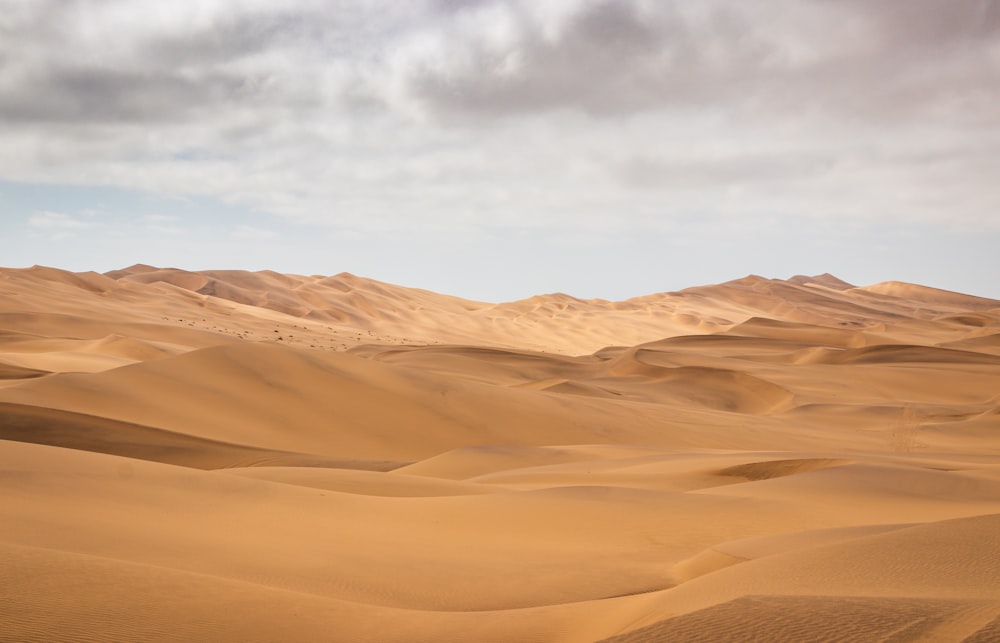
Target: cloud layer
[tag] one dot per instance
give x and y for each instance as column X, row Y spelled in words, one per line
column 449, row 115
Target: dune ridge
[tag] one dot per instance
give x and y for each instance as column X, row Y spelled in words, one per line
column 257, row 456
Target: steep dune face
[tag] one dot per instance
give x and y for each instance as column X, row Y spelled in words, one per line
column 224, row 455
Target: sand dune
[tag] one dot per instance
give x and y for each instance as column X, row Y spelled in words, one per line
column 224, row 455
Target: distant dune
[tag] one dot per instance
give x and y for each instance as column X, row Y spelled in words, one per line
column 253, row 456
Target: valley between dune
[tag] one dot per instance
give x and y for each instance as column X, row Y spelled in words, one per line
column 254, row 456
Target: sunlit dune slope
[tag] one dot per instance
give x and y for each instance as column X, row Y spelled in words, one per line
column 225, row 455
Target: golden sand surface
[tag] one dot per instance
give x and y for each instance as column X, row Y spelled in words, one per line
column 237, row 456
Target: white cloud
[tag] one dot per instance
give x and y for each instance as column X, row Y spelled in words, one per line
column 57, row 221
column 57, row 225
column 253, row 233
column 440, row 115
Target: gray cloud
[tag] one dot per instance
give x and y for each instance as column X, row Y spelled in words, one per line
column 100, row 95
column 76, row 60
column 517, row 113
column 874, row 60
column 926, row 25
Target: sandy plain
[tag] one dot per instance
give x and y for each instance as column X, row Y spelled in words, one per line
column 227, row 455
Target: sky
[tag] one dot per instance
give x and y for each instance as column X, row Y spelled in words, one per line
column 497, row 149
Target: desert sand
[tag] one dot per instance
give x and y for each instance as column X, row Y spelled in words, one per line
column 226, row 455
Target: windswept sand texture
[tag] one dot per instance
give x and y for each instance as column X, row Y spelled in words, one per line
column 226, row 455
